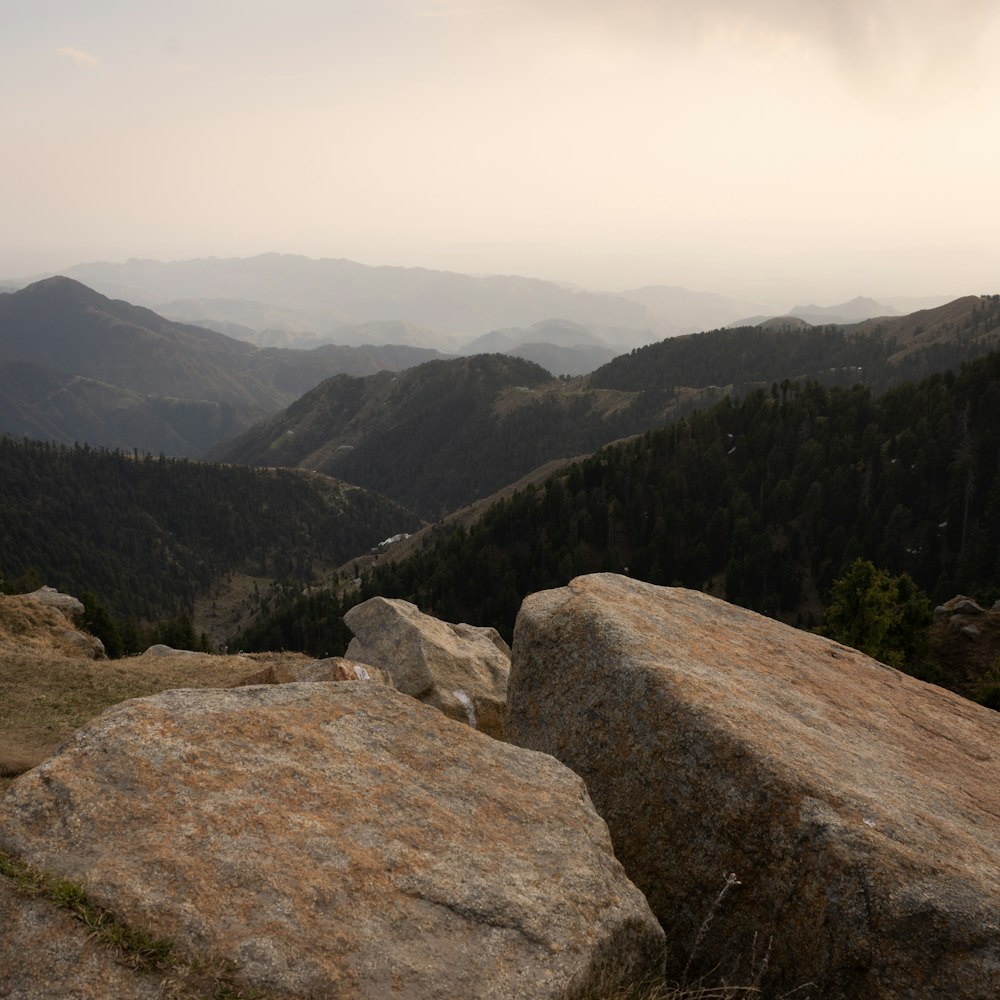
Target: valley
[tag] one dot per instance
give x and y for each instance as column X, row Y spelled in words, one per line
column 237, row 518
column 752, row 462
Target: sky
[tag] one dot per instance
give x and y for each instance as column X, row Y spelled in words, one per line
column 780, row 151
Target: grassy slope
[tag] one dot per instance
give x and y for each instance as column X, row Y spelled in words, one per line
column 47, row 693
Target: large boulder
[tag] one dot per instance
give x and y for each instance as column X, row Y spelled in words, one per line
column 336, row 840
column 858, row 807
column 460, row 669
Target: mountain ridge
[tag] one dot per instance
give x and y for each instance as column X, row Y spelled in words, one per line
column 417, row 436
column 445, row 301
column 766, row 499
column 78, row 365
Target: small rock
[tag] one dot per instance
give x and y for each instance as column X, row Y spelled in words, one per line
column 966, row 607
column 971, row 632
column 159, row 649
column 960, row 605
column 333, row 668
column 82, row 643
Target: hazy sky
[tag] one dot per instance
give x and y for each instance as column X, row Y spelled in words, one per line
column 778, row 149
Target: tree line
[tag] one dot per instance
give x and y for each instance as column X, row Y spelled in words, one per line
column 146, row 534
column 765, row 500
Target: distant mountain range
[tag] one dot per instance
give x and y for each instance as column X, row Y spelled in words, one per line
column 285, row 300
column 294, row 293
column 78, row 366
column 434, row 434
column 690, row 312
column 559, row 346
column 271, row 326
column 855, row 311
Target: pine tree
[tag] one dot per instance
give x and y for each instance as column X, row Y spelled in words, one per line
column 883, row 616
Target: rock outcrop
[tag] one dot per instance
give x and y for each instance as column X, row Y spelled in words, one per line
column 162, row 649
column 460, row 669
column 859, row 807
column 333, row 668
column 335, row 840
column 52, row 598
column 964, row 649
column 42, row 622
column 960, row 605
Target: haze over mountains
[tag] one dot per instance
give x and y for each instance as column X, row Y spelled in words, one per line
column 76, row 365
column 337, row 293
column 294, row 301
column 855, row 311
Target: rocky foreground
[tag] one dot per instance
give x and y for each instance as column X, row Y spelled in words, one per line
column 311, row 836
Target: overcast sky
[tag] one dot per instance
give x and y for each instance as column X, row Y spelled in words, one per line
column 800, row 150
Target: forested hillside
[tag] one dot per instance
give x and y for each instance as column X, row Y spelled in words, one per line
column 764, row 500
column 435, row 437
column 441, row 435
column 879, row 353
column 146, row 535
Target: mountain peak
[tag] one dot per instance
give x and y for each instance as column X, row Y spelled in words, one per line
column 61, row 289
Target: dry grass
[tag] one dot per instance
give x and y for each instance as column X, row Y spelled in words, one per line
column 46, row 694
column 659, row 988
column 672, row 991
column 663, row 989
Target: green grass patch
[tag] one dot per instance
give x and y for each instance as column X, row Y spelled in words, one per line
column 135, row 948
column 185, row 977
